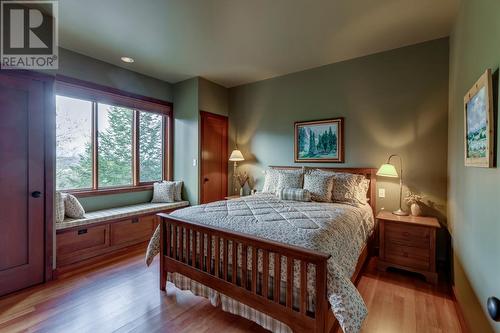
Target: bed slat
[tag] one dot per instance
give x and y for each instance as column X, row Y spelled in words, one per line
column 225, row 263
column 265, row 273
column 303, row 286
column 208, row 264
column 175, row 240
column 244, row 265
column 217, row 255
column 277, row 277
column 169, row 239
column 234, row 260
column 289, row 282
column 254, row 269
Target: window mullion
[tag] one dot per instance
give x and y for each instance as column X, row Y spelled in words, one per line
column 135, row 149
column 95, row 147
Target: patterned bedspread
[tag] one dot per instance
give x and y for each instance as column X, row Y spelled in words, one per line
column 337, row 229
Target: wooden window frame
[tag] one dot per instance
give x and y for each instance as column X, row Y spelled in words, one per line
column 70, row 87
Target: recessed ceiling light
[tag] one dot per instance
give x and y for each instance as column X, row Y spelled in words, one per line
column 127, row 60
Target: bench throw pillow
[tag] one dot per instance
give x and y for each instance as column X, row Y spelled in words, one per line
column 296, row 194
column 59, row 211
column 163, row 192
column 178, row 189
column 72, row 207
column 320, row 186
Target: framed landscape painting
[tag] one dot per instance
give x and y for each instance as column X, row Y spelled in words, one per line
column 319, row 141
column 479, row 127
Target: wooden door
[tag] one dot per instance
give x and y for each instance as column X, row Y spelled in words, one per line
column 22, row 231
column 214, row 157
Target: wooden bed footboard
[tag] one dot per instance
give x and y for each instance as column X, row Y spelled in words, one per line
column 179, row 254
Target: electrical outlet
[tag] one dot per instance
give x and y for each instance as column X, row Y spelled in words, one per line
column 381, row 192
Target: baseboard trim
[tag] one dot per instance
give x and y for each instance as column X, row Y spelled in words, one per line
column 460, row 312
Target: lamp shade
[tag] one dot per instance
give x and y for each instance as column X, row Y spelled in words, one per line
column 387, row 170
column 236, row 156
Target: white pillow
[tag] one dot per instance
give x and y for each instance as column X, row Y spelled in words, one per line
column 320, row 186
column 59, row 207
column 178, row 188
column 72, row 207
column 163, row 192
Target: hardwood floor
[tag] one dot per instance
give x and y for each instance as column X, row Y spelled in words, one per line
column 122, row 295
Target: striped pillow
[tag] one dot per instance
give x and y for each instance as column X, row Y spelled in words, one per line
column 296, row 194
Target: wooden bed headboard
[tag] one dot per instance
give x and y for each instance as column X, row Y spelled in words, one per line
column 369, row 173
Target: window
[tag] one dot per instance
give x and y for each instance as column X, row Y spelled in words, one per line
column 73, row 143
column 106, row 141
column 114, row 137
column 150, row 146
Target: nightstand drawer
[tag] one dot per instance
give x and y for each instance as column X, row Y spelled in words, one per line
column 407, row 235
column 407, row 255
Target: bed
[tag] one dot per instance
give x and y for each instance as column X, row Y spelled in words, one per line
column 287, row 265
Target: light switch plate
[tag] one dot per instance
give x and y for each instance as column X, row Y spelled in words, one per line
column 195, row 162
column 381, row 192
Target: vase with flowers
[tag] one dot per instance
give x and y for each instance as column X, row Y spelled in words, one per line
column 413, row 200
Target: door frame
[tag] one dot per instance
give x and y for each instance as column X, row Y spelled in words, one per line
column 205, row 114
column 49, row 129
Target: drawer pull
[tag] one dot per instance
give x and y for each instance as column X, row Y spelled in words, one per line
column 82, row 231
column 136, row 220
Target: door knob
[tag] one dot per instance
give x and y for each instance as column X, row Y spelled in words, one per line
column 36, row 194
column 494, row 308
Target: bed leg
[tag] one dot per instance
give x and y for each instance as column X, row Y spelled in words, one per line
column 163, row 274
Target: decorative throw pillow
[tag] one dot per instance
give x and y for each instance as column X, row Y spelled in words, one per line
column 296, row 194
column 289, row 180
column 270, row 181
column 272, row 178
column 59, row 211
column 178, row 189
column 347, row 188
column 163, row 192
column 320, row 186
column 72, row 207
column 362, row 191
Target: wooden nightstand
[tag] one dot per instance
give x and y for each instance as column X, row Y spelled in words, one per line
column 408, row 242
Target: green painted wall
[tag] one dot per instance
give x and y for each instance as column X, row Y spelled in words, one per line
column 392, row 102
column 115, row 200
column 213, row 97
column 474, row 193
column 186, row 145
column 89, row 69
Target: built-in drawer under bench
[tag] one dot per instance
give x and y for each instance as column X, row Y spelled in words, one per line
column 100, row 233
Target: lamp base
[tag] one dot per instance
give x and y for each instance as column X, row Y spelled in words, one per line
column 400, row 212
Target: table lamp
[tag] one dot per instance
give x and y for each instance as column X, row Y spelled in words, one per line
column 236, row 156
column 389, row 170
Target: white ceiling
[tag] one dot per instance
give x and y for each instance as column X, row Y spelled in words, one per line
column 232, row 42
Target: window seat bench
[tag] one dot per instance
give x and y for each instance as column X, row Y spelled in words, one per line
column 106, row 232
